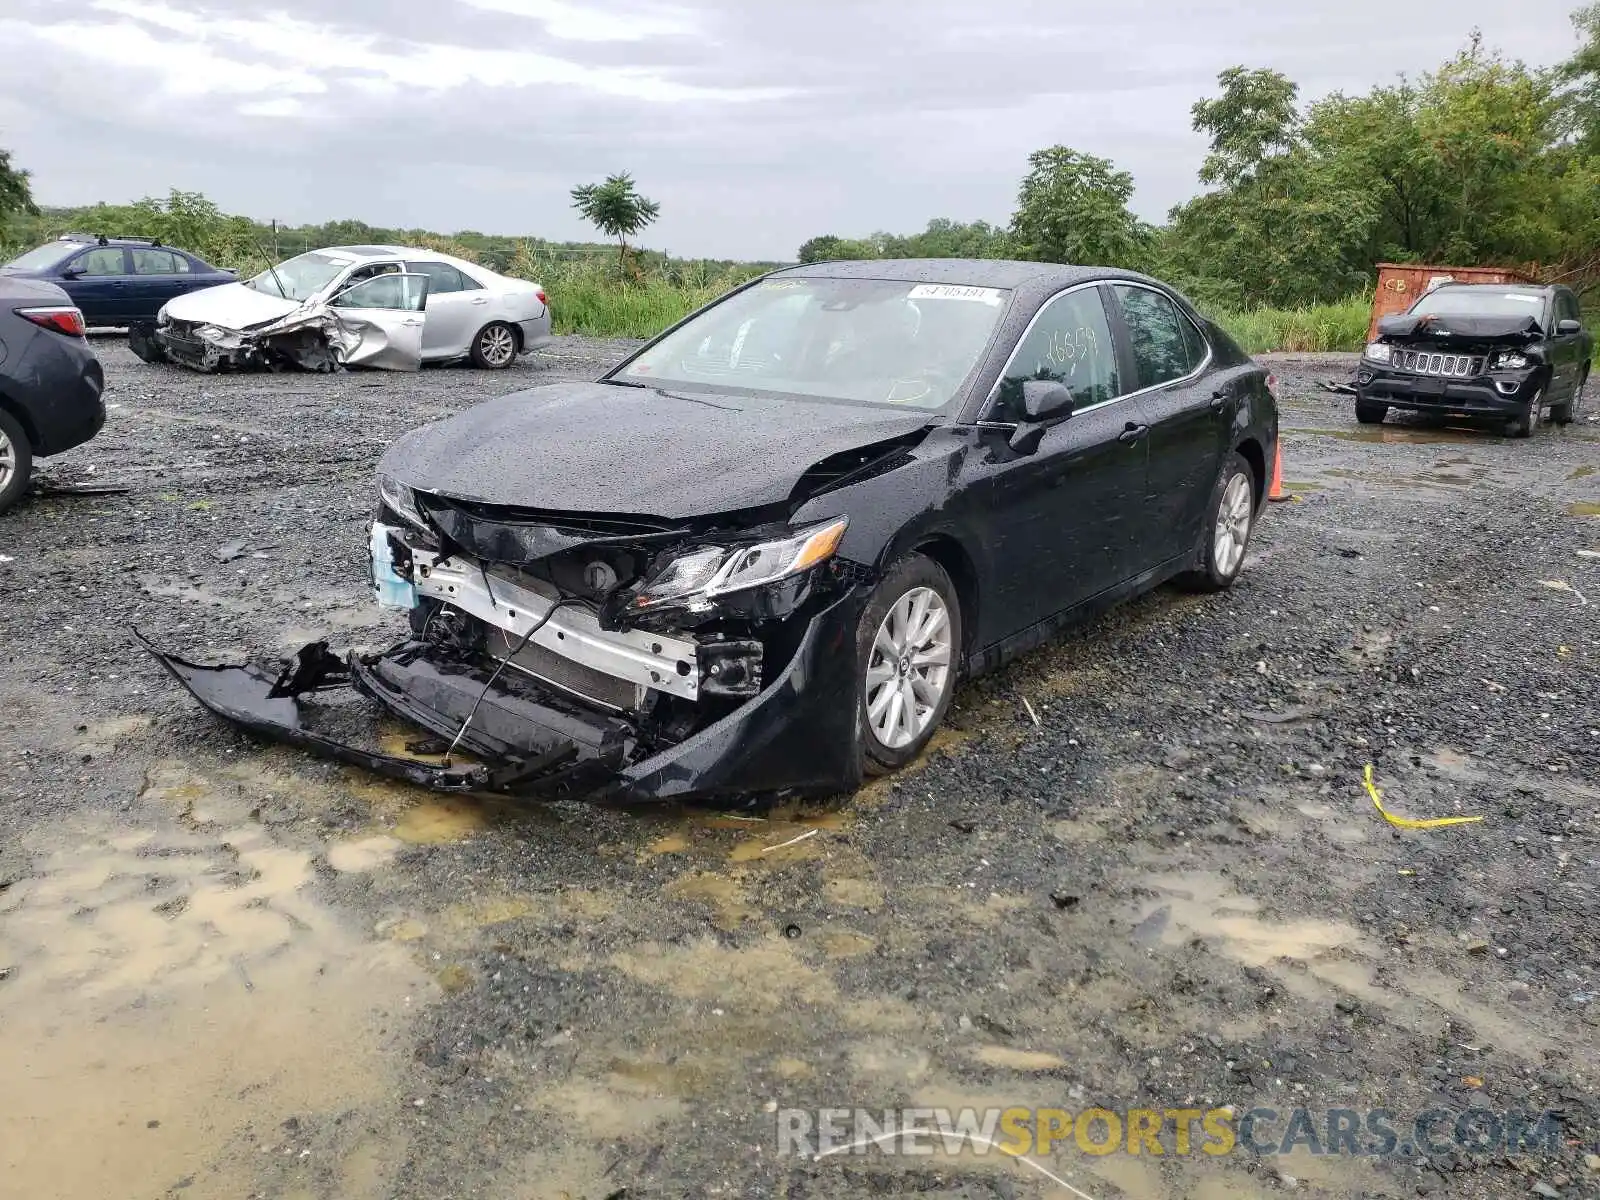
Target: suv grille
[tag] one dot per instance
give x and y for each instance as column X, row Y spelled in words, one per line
column 1423, row 363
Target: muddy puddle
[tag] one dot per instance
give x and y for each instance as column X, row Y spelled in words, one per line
column 180, row 1013
column 1416, row 435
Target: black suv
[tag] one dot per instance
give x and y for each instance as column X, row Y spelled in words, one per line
column 1503, row 351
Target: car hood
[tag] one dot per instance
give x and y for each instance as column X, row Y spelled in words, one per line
column 230, row 305
column 600, row 448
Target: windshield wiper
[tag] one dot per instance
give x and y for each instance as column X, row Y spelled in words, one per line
column 626, row 383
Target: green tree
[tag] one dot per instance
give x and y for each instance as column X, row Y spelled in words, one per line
column 1254, row 119
column 1581, row 76
column 616, row 209
column 1073, row 208
column 15, row 194
column 821, row 249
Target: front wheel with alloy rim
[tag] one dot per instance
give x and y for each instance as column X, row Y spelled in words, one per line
column 1232, row 517
column 908, row 647
column 16, row 461
column 495, row 347
column 1570, row 410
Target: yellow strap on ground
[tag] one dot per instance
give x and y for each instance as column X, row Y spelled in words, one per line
column 1407, row 822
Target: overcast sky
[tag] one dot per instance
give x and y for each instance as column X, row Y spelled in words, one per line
column 755, row 123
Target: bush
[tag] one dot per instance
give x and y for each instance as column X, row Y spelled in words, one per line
column 1319, row 328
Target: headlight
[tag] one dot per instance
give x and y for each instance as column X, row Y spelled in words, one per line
column 400, row 500
column 161, row 315
column 712, row 571
column 1378, row 352
column 1508, row 360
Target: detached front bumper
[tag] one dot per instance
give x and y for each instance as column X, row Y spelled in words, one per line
column 799, row 734
column 1502, row 394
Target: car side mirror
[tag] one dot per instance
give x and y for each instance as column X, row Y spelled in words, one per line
column 71, row 272
column 1046, row 400
column 1568, row 327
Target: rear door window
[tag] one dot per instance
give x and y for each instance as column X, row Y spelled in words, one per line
column 1069, row 342
column 442, row 277
column 101, row 261
column 154, row 262
column 1166, row 345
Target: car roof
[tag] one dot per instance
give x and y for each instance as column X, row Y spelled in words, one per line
column 90, row 239
column 1527, row 289
column 974, row 272
column 414, row 253
column 1031, row 283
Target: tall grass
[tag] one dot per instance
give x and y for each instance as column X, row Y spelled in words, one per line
column 1317, row 329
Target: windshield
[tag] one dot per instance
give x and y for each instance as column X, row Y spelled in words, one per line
column 871, row 341
column 47, row 255
column 302, row 277
column 1480, row 302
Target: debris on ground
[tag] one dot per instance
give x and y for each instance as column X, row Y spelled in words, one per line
column 1408, row 822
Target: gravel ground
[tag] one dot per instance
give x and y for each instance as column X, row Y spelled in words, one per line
column 228, row 970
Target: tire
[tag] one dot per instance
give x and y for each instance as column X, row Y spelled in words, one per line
column 495, row 347
column 1221, row 559
column 1566, row 413
column 914, row 581
column 16, row 460
column 1524, row 425
column 1370, row 412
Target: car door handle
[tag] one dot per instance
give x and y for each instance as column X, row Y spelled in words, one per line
column 481, row 300
column 1132, row 433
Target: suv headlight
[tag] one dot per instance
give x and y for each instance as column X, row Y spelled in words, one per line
column 161, row 316
column 1508, row 360
column 400, row 500
column 1377, row 352
column 704, row 573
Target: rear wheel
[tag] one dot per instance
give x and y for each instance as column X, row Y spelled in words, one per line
column 1571, row 409
column 908, row 646
column 1233, row 512
column 16, row 461
column 495, row 347
column 1370, row 412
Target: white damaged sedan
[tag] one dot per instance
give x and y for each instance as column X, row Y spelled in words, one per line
column 389, row 307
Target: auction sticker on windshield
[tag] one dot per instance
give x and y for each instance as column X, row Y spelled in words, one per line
column 948, row 291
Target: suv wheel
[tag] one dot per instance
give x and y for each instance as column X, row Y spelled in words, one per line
column 1370, row 412
column 16, row 461
column 1566, row 413
column 1524, row 425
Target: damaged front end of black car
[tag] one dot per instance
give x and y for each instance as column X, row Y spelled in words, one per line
column 630, row 658
column 1488, row 367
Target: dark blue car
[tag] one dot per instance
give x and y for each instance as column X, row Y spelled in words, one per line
column 117, row 281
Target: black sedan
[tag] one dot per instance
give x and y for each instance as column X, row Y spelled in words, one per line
column 1507, row 353
column 50, row 381
column 119, row 281
column 758, row 554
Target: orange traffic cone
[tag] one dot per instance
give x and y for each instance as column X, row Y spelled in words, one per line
column 1276, row 492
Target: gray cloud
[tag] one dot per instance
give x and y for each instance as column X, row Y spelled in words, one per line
column 756, row 126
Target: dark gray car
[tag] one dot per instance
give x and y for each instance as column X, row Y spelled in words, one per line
column 50, row 381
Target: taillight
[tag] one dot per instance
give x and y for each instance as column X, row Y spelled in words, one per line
column 1272, row 385
column 542, row 300
column 63, row 319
